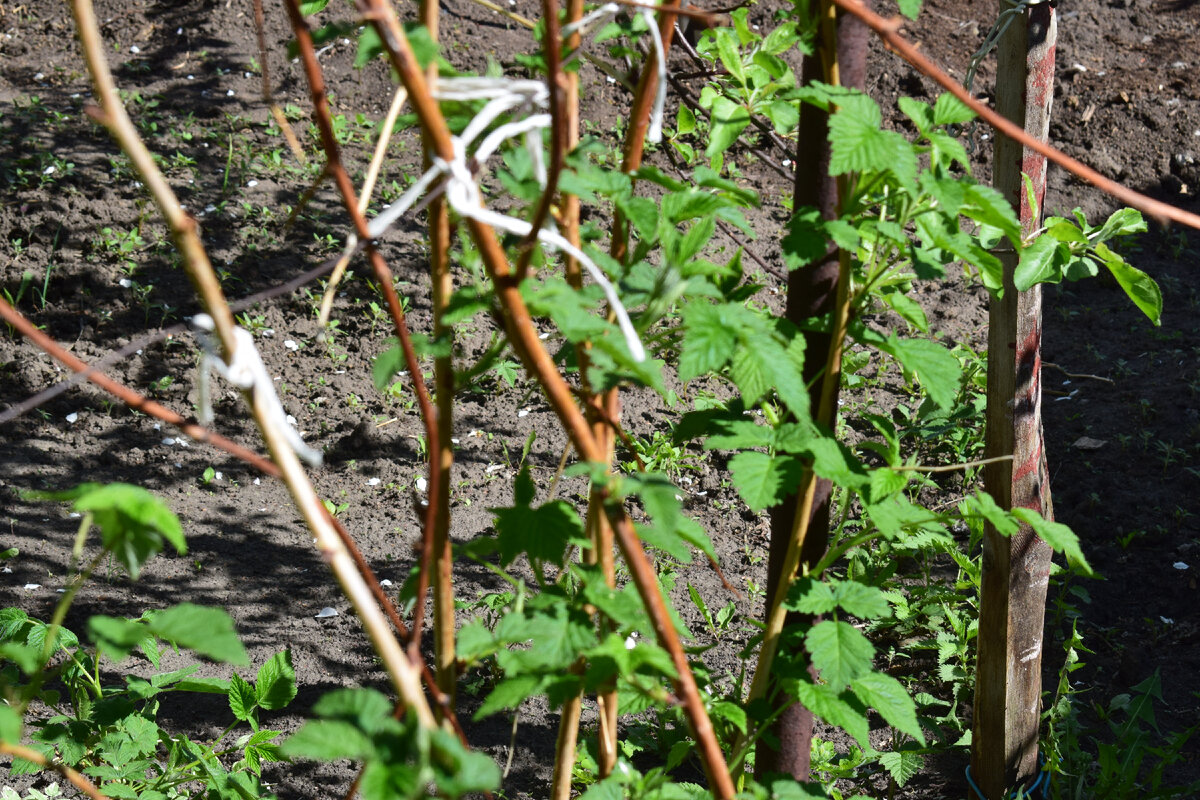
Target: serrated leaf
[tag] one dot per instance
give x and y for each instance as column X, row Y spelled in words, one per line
column 134, row 524
column 910, row 8
column 935, row 366
column 310, row 7
column 806, row 240
column 328, row 740
column 386, row 365
column 858, row 144
column 948, row 109
column 901, row 765
column 275, row 684
column 841, row 709
column 861, row 600
column 242, row 699
column 839, row 651
column 509, row 693
column 207, row 631
column 984, row 505
column 741, row 433
column 643, row 213
column 763, row 480
column 10, row 725
column 810, row 596
column 920, row 113
column 727, row 121
column 709, row 338
column 367, row 709
column 835, row 461
column 115, row 637
column 887, row 695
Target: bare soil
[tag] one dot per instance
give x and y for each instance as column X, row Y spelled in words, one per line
column 1123, row 445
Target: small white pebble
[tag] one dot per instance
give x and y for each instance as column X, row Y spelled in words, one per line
column 493, row 467
column 257, row 481
column 73, row 416
column 544, row 336
column 251, row 184
column 209, row 209
column 291, row 345
column 178, row 465
column 1180, row 565
column 179, row 31
column 74, row 515
column 191, row 77
column 32, row 586
column 182, row 442
column 217, row 476
column 135, row 49
column 139, row 352
column 50, row 170
column 454, row 441
column 38, row 76
column 230, row 93
column 1167, row 620
column 631, row 641
column 787, row 162
column 327, row 612
column 168, row 441
column 373, row 482
column 76, row 96
column 157, row 426
column 610, row 79
column 291, row 420
column 524, row 412
column 125, row 283
column 247, row 74
column 421, row 484
column 475, row 434
column 385, row 582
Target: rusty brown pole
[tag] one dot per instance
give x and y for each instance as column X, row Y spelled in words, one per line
column 811, row 292
column 1016, row 570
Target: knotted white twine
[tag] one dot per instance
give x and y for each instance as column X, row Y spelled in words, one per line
column 245, row 371
column 462, row 189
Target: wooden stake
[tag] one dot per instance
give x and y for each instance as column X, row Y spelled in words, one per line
column 1016, row 570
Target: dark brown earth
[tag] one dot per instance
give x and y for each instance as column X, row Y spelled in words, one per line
column 1124, row 446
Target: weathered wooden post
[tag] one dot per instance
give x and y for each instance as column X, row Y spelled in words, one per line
column 1015, row 569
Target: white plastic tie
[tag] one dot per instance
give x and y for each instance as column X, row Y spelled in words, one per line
column 245, row 370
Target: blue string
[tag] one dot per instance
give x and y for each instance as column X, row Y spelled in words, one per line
column 1042, row 783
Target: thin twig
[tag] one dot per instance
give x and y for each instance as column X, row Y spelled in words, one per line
column 1077, row 376
column 199, row 270
column 888, row 31
column 76, row 778
column 540, row 366
column 440, row 560
column 555, row 83
column 316, row 82
column 364, row 197
column 268, row 97
column 952, row 467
